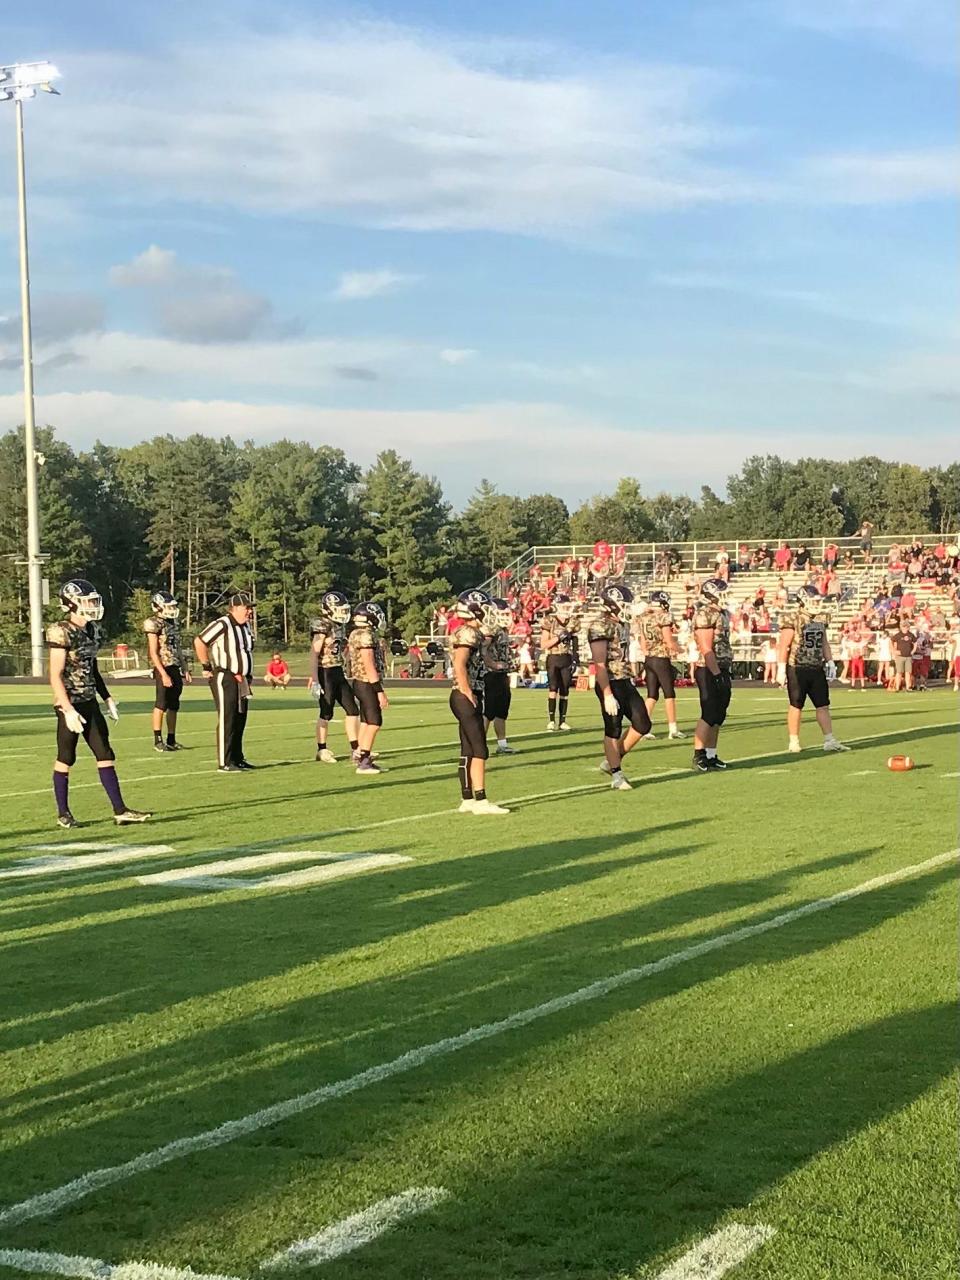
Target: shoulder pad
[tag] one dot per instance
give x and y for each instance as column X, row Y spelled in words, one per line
column 363, row 638
column 152, row 626
column 58, row 635
column 597, row 631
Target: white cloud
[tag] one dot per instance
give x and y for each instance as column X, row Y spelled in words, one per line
column 56, row 316
column 387, row 126
column 356, row 286
column 193, row 302
column 924, row 29
column 458, row 355
column 882, row 177
column 513, row 436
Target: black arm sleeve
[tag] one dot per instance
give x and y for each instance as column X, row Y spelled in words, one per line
column 98, row 680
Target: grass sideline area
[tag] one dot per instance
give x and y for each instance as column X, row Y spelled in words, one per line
column 769, row 1049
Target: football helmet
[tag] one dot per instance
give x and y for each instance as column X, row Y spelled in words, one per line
column 435, row 649
column 399, row 648
column 616, row 600
column 504, row 612
column 563, row 607
column 368, row 614
column 164, row 605
column 714, row 591
column 661, row 599
column 472, row 606
column 810, row 600
column 335, row 606
column 81, row 597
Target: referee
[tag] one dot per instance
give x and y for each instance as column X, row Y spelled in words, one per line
column 225, row 652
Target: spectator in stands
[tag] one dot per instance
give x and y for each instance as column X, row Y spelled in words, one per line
column 277, row 674
column 768, row 656
column 781, row 595
column 763, row 557
column 535, row 576
column 847, row 560
column 783, row 557
column 829, row 583
column 619, row 560
column 922, row 653
column 802, row 558
column 866, row 541
column 722, row 564
column 743, row 558
column 914, row 567
column 600, row 568
column 831, row 553
column 415, row 655
column 902, row 641
column 440, row 619
column 691, row 586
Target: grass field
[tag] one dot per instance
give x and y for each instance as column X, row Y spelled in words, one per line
column 770, row 1049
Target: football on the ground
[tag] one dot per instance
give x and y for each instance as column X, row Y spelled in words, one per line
column 900, row 764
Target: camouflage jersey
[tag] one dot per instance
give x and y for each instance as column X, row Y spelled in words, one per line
column 81, row 675
column 808, row 640
column 651, row 632
column 329, row 642
column 496, row 652
column 615, row 634
column 710, row 617
column 361, row 638
column 170, row 648
column 467, row 636
column 552, row 626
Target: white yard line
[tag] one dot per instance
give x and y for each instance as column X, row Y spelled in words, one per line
column 52, row 864
column 64, row 1264
column 216, row 875
column 357, row 1230
column 57, row 1199
column 718, row 1253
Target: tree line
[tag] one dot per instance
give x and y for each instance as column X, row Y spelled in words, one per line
column 285, row 520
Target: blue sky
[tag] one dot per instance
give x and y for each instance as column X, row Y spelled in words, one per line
column 545, row 243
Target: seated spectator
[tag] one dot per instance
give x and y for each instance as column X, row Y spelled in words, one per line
column 743, row 558
column 847, row 560
column 829, row 583
column 783, row 557
column 722, row 564
column 781, row 595
column 277, row 674
column 802, row 558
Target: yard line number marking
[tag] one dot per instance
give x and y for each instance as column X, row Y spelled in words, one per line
column 217, row 875
column 57, row 1199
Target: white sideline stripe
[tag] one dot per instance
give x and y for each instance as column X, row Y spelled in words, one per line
column 863, row 773
column 357, row 1230
column 255, row 862
column 74, row 846
column 52, row 864
column 64, row 1264
column 47, row 1202
column 719, row 1253
column 352, row 865
column 950, row 775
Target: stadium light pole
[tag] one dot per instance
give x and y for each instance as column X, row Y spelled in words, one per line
column 18, row 83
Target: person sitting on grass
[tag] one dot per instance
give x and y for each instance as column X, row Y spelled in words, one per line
column 277, row 674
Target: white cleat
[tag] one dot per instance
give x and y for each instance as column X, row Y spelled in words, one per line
column 834, row 744
column 605, row 767
column 565, row 727
column 327, row 756
column 649, row 737
column 487, row 807
column 551, row 727
column 794, row 748
column 675, row 734
column 466, row 806
column 619, row 783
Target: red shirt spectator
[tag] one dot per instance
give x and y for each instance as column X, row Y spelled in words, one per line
column 783, row 556
column 830, row 554
column 619, row 560
column 602, row 551
column 277, row 667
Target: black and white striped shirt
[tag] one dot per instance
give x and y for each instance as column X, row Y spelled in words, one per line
column 231, row 646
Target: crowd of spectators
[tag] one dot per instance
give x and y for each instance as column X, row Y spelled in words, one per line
column 873, row 643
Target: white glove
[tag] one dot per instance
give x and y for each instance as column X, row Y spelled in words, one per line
column 112, row 710
column 74, row 720
column 315, row 689
column 610, row 704
column 781, row 673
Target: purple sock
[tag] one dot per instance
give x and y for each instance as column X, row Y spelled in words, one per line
column 61, row 781
column 111, row 785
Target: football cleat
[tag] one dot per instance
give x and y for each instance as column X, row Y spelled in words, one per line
column 794, row 747
column 505, row 750
column 619, row 783
column 466, row 806
column 174, row 746
column 834, row 744
column 605, row 767
column 648, row 737
column 487, row 807
column 551, row 727
column 161, row 746
column 325, row 755
column 130, row 816
column 67, row 821
column 229, row 768
column 714, row 762
column 245, row 765
column 700, row 762
column 368, row 767
column 675, row 735
column 565, row 727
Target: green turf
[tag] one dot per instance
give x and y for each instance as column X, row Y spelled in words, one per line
column 801, row 1077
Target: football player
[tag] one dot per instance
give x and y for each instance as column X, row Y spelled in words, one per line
column 327, row 680
column 713, row 672
column 76, row 682
column 619, row 698
column 367, row 664
column 466, row 698
column 558, row 640
column 170, row 673
column 658, row 643
column 803, row 652
column 497, row 661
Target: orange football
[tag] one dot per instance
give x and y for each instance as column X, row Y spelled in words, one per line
column 900, row 764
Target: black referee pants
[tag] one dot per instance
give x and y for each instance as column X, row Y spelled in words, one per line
column 231, row 717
